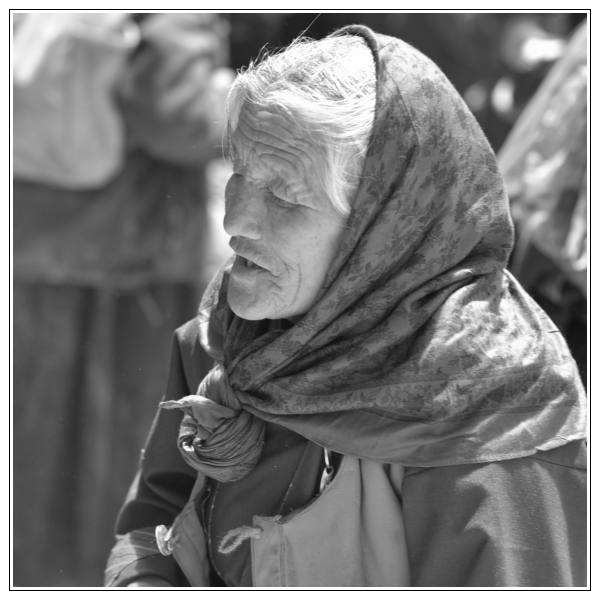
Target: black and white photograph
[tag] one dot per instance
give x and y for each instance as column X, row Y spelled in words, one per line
column 299, row 300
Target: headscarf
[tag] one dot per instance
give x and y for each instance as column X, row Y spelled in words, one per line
column 421, row 349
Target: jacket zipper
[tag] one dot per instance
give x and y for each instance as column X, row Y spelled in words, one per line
column 207, row 527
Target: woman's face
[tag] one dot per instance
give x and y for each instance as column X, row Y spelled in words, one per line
column 283, row 229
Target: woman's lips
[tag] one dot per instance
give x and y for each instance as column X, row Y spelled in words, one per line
column 246, row 265
column 246, row 262
column 252, row 258
column 250, row 265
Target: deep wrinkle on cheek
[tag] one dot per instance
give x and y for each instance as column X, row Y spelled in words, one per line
column 286, row 223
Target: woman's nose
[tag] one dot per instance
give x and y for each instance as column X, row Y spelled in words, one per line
column 243, row 209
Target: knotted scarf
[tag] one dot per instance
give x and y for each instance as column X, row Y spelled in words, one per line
column 226, row 437
column 421, row 348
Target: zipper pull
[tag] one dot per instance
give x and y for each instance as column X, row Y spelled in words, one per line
column 327, row 471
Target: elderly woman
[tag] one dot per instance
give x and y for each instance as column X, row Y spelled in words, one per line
column 387, row 406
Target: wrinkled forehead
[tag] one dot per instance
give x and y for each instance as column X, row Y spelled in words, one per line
column 262, row 126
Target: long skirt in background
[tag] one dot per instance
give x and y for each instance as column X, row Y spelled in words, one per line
column 90, row 367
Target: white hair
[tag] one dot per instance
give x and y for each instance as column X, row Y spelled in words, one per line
column 328, row 88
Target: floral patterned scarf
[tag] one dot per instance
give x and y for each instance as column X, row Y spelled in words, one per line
column 421, row 348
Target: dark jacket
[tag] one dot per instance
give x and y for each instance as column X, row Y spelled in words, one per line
column 516, row 523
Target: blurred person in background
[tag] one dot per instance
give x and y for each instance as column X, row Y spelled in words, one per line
column 544, row 163
column 387, row 407
column 115, row 117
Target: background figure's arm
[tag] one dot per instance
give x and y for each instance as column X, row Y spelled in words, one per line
column 173, row 94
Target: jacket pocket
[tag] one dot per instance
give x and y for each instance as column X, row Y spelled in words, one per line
column 351, row 535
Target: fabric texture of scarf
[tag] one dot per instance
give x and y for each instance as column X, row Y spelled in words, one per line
column 421, row 348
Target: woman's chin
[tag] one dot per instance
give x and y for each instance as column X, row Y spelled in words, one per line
column 246, row 314
column 244, row 306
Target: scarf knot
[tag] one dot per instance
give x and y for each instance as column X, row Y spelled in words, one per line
column 217, row 437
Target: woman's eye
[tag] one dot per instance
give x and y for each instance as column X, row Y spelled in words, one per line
column 280, row 201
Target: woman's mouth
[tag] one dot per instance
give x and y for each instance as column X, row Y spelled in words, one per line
column 248, row 264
